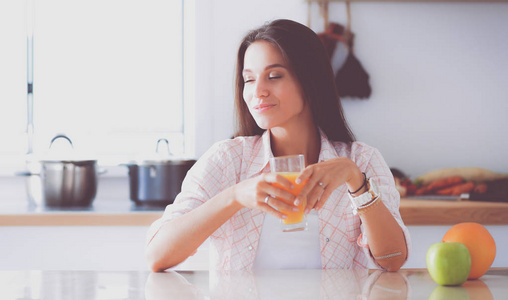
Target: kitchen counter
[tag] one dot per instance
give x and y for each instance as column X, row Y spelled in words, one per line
column 125, row 213
column 265, row 284
column 101, row 213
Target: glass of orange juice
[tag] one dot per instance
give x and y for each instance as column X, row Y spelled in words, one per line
column 290, row 167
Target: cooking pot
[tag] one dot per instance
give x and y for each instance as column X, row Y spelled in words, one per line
column 61, row 182
column 157, row 180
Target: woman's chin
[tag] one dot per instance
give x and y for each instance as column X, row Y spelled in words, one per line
column 263, row 124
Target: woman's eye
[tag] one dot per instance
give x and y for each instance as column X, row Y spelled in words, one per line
column 247, row 80
column 274, row 76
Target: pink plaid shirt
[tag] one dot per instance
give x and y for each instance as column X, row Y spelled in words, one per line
column 234, row 245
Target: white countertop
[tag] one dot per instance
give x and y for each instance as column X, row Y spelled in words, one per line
column 224, row 285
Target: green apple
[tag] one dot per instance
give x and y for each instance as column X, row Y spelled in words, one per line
column 448, row 263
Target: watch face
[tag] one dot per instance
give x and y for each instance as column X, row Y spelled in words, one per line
column 362, row 199
column 366, row 197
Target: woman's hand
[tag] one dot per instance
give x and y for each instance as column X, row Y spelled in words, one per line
column 325, row 177
column 259, row 193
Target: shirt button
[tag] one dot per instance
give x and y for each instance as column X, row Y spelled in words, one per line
column 327, row 240
column 250, row 248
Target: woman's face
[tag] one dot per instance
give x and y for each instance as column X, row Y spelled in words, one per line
column 271, row 90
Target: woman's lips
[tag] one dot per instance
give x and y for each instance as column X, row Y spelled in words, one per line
column 263, row 107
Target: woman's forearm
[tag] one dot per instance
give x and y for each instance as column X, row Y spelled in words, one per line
column 386, row 238
column 387, row 242
column 179, row 238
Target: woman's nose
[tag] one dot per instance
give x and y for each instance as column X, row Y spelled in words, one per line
column 261, row 89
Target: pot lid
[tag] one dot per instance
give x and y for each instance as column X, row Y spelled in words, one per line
column 161, row 162
column 61, row 151
column 162, row 155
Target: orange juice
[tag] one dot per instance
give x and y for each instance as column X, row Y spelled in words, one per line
column 293, row 216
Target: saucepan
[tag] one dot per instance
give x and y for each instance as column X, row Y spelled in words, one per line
column 61, row 180
column 157, row 180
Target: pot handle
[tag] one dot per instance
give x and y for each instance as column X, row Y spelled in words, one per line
column 61, row 136
column 167, row 146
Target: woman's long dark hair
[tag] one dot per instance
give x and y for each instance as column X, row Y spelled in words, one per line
column 307, row 57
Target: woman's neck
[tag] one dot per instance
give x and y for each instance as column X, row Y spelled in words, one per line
column 306, row 141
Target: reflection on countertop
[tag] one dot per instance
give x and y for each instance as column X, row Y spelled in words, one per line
column 315, row 284
column 76, row 285
column 266, row 284
column 279, row 284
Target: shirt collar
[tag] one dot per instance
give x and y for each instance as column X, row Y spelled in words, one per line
column 327, row 151
column 263, row 153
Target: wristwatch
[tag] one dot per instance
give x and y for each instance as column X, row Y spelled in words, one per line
column 369, row 196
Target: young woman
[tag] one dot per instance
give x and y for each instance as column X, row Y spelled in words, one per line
column 286, row 104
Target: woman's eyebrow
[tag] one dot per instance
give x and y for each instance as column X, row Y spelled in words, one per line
column 275, row 66
column 266, row 68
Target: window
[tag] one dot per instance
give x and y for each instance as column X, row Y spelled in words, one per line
column 107, row 73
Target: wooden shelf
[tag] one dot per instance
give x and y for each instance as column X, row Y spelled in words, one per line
column 413, row 212
column 445, row 212
column 80, row 219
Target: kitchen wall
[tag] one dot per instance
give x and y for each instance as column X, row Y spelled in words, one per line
column 439, row 74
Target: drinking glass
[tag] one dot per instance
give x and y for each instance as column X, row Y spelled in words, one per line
column 290, row 167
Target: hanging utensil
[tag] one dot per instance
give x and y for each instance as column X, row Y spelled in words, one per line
column 351, row 78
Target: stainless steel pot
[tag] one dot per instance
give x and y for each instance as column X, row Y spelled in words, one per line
column 157, row 181
column 61, row 183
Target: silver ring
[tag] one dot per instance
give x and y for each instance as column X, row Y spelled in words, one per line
column 266, row 199
column 320, row 184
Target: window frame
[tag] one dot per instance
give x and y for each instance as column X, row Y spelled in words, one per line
column 12, row 163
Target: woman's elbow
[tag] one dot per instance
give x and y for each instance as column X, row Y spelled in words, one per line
column 155, row 261
column 158, row 265
column 158, row 262
column 394, row 266
column 394, row 263
column 157, row 268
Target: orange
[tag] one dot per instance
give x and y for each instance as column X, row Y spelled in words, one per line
column 478, row 241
